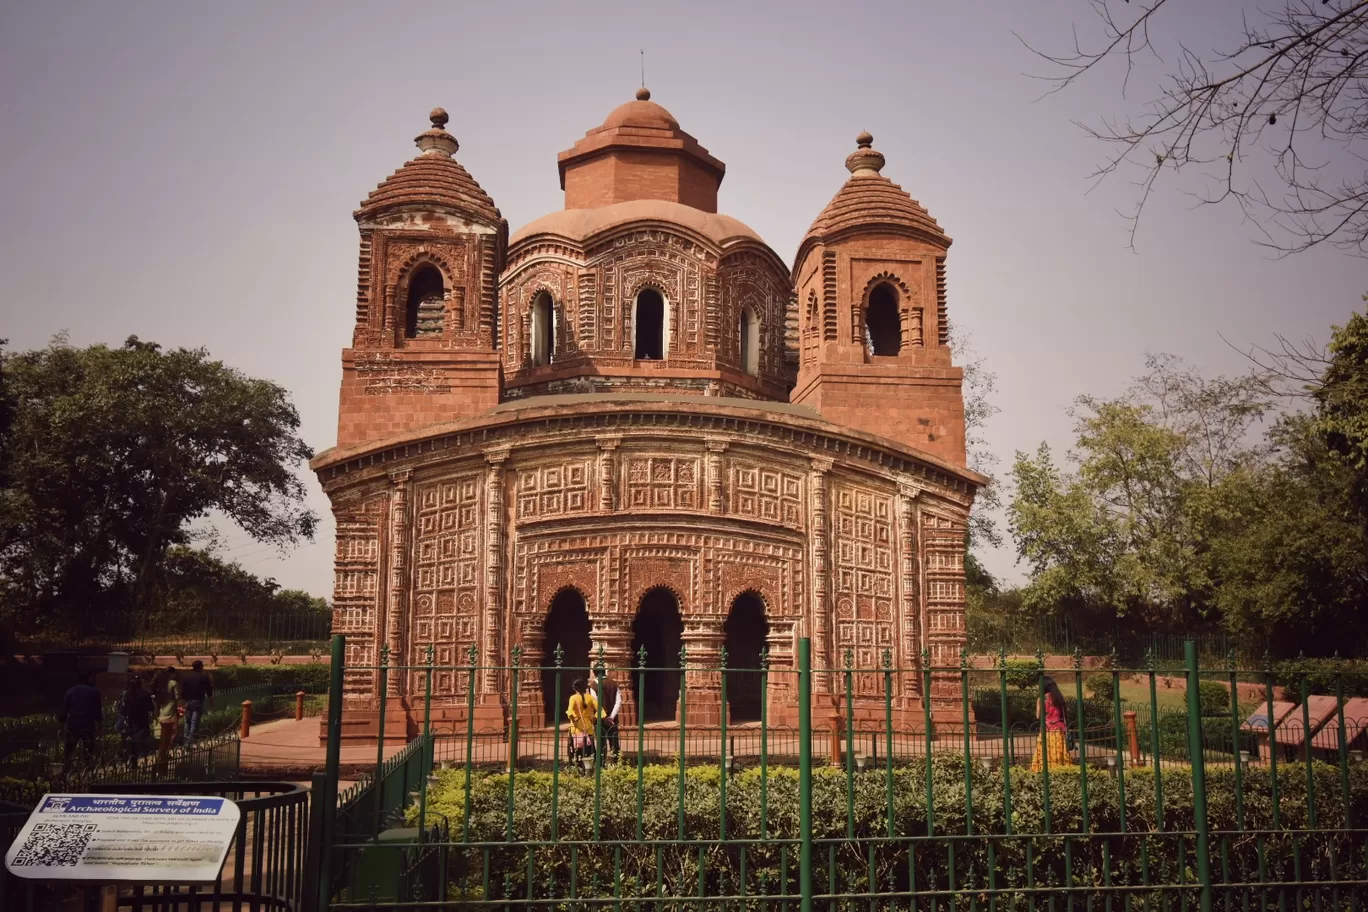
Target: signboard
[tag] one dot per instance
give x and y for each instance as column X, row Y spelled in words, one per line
column 142, row 838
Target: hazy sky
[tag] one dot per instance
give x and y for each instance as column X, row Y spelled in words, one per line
column 187, row 172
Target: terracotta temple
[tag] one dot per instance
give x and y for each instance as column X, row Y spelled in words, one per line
column 632, row 425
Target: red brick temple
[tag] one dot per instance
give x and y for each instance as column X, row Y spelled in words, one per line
column 633, row 425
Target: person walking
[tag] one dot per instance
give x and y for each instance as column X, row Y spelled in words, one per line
column 81, row 715
column 198, row 692
column 582, row 711
column 167, row 696
column 605, row 689
column 135, row 712
column 1053, row 733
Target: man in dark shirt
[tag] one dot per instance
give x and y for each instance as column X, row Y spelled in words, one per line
column 197, row 690
column 606, row 690
column 80, row 716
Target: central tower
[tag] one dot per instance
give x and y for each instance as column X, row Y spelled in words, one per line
column 639, row 284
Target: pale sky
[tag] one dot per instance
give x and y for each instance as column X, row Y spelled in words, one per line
column 187, row 172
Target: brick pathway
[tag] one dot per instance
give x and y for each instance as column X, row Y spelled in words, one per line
column 290, row 750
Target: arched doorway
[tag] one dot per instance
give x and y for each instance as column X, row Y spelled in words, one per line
column 744, row 632
column 659, row 629
column 424, row 312
column 649, row 324
column 567, row 626
column 883, row 326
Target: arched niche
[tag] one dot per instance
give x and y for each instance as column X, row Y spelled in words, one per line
column 744, row 634
column 543, row 329
column 658, row 628
column 883, row 326
column 650, row 325
column 567, row 627
column 748, row 333
column 425, row 307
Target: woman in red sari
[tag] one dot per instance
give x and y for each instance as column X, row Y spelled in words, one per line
column 1054, row 732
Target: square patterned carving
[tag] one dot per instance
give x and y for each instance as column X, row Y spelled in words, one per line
column 446, row 580
column 767, row 494
column 663, row 483
column 560, row 489
column 864, row 589
column 356, row 581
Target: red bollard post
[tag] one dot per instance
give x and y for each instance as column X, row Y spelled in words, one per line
column 246, row 719
column 1134, row 736
column 299, row 705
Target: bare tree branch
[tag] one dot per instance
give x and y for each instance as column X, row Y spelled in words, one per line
column 1297, row 75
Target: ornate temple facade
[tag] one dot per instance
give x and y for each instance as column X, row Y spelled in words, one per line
column 632, row 426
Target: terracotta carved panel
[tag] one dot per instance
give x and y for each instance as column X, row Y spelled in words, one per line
column 446, row 578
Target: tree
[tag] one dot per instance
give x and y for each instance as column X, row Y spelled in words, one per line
column 1275, row 122
column 112, row 454
column 979, row 386
column 1127, row 533
column 1292, row 553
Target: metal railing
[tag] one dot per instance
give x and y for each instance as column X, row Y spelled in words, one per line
column 868, row 795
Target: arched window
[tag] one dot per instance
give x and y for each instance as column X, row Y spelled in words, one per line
column 649, row 324
column 425, row 307
column 750, row 341
column 543, row 330
column 883, row 328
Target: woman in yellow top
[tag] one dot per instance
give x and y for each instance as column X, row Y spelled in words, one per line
column 581, row 712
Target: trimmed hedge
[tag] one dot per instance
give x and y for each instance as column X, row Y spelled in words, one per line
column 550, row 863
column 1322, row 675
column 312, row 678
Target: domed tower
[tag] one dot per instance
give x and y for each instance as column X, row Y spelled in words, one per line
column 424, row 348
column 874, row 337
column 639, row 284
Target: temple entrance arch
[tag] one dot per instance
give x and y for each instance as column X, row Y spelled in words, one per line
column 744, row 635
column 659, row 628
column 567, row 626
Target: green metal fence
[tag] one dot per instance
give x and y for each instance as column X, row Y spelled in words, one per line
column 1127, row 803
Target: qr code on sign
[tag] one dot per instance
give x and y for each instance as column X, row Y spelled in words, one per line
column 55, row 845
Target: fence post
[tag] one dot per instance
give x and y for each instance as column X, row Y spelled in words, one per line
column 331, row 769
column 805, row 773
column 1195, row 755
column 246, row 720
column 299, row 705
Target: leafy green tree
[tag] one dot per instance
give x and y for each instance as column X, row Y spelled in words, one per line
column 1127, row 531
column 112, row 453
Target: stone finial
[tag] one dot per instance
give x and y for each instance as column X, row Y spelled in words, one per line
column 643, row 94
column 437, row 142
column 865, row 161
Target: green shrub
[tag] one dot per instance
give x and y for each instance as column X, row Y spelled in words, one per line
column 1322, row 675
column 1213, row 698
column 1023, row 674
column 312, row 677
column 1101, row 687
column 549, row 863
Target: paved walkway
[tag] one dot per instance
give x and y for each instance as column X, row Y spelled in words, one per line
column 290, row 750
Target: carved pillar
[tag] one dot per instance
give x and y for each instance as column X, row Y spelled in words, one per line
column 491, row 650
column 389, row 315
column 613, row 633
column 911, row 620
column 819, row 618
column 703, row 680
column 607, row 472
column 398, row 578
column 716, row 499
column 914, row 332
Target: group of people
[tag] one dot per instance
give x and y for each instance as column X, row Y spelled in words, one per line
column 588, row 718
column 166, row 698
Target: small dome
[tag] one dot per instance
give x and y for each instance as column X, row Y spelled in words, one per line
column 870, row 200
column 640, row 113
column 433, row 178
